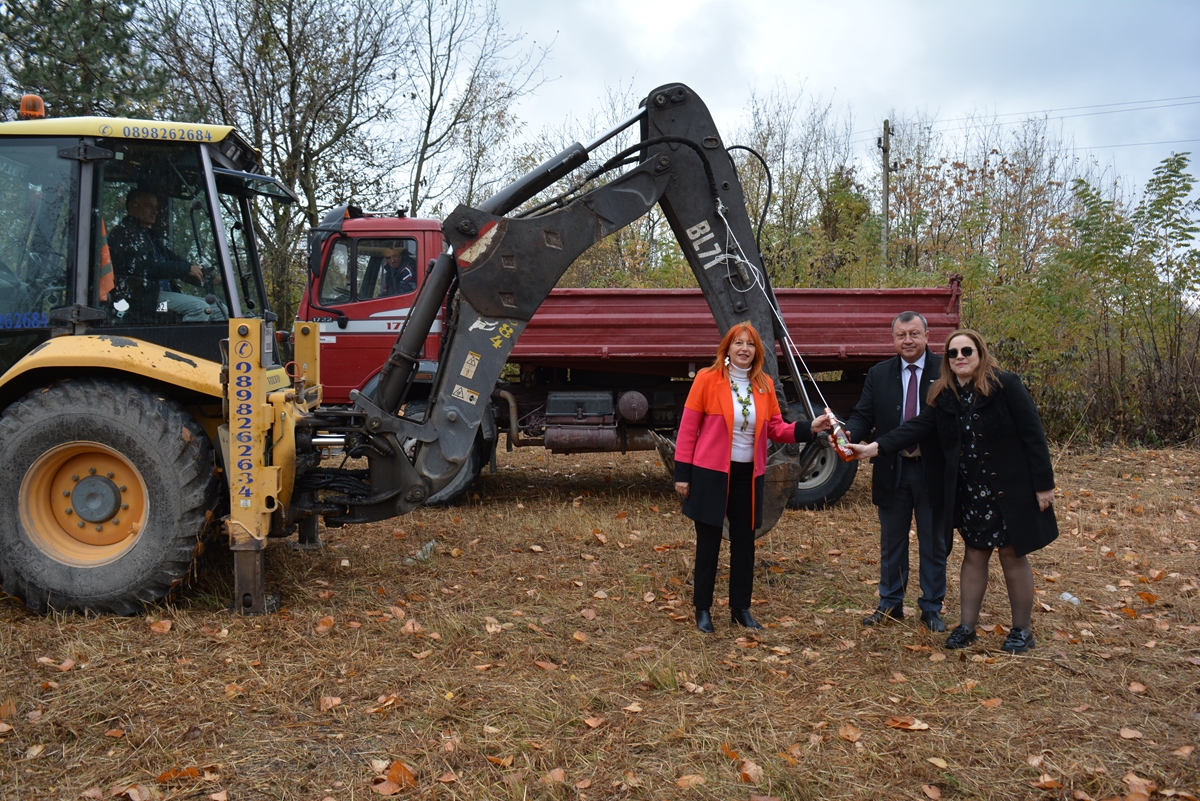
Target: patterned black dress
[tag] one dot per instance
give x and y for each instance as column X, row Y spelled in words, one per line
column 977, row 514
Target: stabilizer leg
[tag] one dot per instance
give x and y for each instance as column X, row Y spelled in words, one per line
column 249, row 583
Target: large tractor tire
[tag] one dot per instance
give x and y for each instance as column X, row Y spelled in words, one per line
column 104, row 488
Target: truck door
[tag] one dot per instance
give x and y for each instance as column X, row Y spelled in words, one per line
column 373, row 281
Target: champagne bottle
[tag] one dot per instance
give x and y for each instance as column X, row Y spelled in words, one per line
column 840, row 440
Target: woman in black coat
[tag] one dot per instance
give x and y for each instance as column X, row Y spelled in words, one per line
column 998, row 484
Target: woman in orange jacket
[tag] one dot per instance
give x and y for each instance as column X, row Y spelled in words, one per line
column 721, row 462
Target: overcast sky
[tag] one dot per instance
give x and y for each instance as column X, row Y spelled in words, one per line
column 875, row 59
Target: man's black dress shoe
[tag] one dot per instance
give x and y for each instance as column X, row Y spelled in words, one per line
column 961, row 637
column 744, row 619
column 704, row 621
column 883, row 615
column 933, row 621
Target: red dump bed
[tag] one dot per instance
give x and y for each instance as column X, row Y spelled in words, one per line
column 664, row 330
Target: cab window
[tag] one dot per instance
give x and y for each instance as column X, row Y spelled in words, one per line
column 38, row 201
column 366, row 269
column 154, row 247
column 386, row 267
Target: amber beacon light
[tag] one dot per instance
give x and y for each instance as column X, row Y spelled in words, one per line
column 32, row 108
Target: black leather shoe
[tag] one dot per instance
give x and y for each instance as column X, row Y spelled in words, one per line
column 1018, row 641
column 744, row 619
column 961, row 637
column 933, row 621
column 704, row 621
column 883, row 615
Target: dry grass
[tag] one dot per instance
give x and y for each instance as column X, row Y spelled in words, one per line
column 242, row 696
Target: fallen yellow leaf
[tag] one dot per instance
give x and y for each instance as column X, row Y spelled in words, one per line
column 906, row 723
column 850, row 733
column 689, row 780
column 750, row 773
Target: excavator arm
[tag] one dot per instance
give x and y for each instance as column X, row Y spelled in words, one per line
column 498, row 268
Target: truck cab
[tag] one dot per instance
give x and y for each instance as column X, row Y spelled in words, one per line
column 370, row 268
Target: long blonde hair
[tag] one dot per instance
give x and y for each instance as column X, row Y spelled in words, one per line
column 987, row 374
column 758, row 379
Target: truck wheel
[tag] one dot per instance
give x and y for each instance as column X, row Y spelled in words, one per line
column 103, row 492
column 827, row 481
column 457, row 488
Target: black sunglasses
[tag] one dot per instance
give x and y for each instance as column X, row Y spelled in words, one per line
column 967, row 352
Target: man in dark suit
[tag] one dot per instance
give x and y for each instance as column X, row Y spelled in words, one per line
column 894, row 391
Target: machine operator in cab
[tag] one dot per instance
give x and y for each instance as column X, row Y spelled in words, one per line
column 147, row 272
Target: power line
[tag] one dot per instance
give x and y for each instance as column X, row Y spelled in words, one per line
column 1019, row 122
column 1141, row 144
column 1066, row 108
column 1065, row 116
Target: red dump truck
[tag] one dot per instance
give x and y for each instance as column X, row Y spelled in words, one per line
column 596, row 369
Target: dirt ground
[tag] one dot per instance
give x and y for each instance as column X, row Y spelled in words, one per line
column 537, row 642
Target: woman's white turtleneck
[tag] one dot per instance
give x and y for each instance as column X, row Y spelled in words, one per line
column 743, row 441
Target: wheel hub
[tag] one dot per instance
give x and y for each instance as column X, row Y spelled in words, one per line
column 96, row 499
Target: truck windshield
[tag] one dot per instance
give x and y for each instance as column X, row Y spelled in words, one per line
column 37, row 222
column 155, row 258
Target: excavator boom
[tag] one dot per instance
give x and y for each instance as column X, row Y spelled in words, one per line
column 498, row 268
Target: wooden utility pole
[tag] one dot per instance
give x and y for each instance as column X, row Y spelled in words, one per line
column 884, row 143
